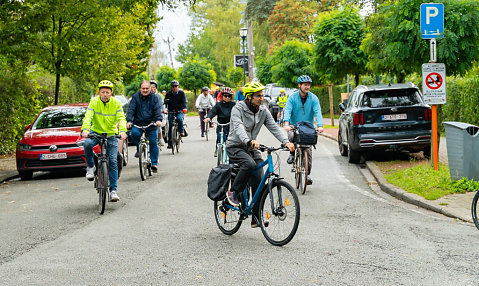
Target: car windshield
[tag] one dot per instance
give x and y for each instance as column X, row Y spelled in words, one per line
column 55, row 118
column 390, row 98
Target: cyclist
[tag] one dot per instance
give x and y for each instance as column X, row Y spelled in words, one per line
column 144, row 109
column 239, row 95
column 247, row 118
column 177, row 103
column 223, row 111
column 303, row 105
column 154, row 90
column 102, row 115
column 281, row 101
column 204, row 102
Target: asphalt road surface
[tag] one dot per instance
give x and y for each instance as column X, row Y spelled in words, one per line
column 163, row 231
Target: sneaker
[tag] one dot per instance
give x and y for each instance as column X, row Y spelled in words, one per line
column 154, row 168
column 114, row 196
column 309, row 181
column 184, row 133
column 202, row 134
column 169, row 147
column 90, row 173
column 161, row 142
column 231, row 196
column 290, row 159
column 137, row 154
column 215, row 154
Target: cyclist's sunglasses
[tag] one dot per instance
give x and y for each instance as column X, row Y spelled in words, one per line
column 227, row 95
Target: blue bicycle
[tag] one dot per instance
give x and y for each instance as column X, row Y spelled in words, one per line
column 278, row 206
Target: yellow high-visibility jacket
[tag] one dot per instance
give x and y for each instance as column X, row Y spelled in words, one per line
column 103, row 117
column 282, row 100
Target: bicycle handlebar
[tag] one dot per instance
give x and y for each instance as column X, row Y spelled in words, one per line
column 144, row 127
column 101, row 136
column 264, row 148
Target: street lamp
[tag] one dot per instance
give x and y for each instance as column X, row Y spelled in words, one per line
column 243, row 33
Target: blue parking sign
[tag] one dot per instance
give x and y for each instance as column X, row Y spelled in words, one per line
column 432, row 21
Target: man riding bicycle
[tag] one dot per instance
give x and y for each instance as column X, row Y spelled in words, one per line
column 303, row 105
column 223, row 111
column 281, row 101
column 144, row 109
column 204, row 102
column 176, row 102
column 102, row 115
column 247, row 118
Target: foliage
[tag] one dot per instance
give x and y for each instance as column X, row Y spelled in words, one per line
column 134, row 86
column 164, row 76
column 235, row 77
column 291, row 20
column 424, row 181
column 263, row 69
column 323, row 95
column 462, row 99
column 261, row 39
column 196, row 74
column 337, row 39
column 394, row 45
column 215, row 38
column 259, row 10
column 290, row 61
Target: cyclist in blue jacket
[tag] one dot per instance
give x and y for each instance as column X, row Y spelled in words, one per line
column 302, row 105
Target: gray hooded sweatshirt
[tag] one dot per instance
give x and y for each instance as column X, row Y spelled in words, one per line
column 245, row 125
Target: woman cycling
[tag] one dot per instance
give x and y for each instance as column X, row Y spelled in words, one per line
column 223, row 110
column 204, row 102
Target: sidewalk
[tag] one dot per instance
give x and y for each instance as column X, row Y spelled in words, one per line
column 455, row 206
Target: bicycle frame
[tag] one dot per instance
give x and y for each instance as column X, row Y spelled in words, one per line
column 222, row 142
column 268, row 174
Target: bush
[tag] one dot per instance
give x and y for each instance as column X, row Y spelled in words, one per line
column 323, row 95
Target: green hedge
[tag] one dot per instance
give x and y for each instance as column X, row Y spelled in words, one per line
column 323, row 95
column 462, row 102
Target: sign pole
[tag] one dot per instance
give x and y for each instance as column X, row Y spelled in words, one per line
column 435, row 149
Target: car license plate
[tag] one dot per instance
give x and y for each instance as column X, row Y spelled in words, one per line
column 53, row 156
column 394, row 116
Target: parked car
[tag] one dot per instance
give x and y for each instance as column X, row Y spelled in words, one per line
column 53, row 141
column 384, row 117
column 271, row 93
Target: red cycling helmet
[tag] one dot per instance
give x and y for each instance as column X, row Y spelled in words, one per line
column 227, row 90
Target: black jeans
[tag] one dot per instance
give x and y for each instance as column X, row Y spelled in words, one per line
column 247, row 160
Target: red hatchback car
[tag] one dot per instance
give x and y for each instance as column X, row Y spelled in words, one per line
column 53, row 141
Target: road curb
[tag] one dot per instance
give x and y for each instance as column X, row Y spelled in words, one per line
column 8, row 175
column 403, row 195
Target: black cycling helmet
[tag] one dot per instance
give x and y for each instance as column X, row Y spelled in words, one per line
column 204, row 88
column 304, row 78
column 175, row 83
column 153, row 82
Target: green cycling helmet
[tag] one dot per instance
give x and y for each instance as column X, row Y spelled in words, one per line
column 252, row 87
column 105, row 83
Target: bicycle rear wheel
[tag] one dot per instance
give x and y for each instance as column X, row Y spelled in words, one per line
column 102, row 186
column 474, row 209
column 228, row 220
column 279, row 222
column 304, row 171
column 143, row 161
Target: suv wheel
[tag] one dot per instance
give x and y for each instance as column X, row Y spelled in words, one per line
column 25, row 175
column 353, row 155
column 342, row 148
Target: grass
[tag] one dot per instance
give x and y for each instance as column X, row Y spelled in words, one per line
column 336, row 126
column 421, row 179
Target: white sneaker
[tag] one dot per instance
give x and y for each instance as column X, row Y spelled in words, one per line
column 90, row 173
column 114, row 196
column 161, row 142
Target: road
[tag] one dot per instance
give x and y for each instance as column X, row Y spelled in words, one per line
column 163, row 231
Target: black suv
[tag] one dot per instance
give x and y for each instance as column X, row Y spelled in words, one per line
column 384, row 117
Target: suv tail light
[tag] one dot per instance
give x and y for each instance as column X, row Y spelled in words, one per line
column 358, row 119
column 427, row 114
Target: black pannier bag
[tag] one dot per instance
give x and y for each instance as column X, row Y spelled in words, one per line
column 218, row 182
column 305, row 133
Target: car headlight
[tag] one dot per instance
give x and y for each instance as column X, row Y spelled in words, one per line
column 24, row 147
column 80, row 143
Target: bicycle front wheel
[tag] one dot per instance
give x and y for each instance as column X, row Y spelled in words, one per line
column 228, row 220
column 474, row 209
column 125, row 152
column 279, row 213
column 174, row 138
column 219, row 155
column 143, row 163
column 304, row 171
column 102, row 186
column 297, row 169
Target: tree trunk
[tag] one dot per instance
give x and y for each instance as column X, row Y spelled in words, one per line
column 57, row 81
column 331, row 105
column 356, row 79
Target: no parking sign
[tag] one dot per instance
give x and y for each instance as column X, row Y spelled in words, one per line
column 434, row 83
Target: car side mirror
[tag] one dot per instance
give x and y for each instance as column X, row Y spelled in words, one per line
column 28, row 127
column 342, row 106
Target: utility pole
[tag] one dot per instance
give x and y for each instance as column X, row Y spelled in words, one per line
column 168, row 42
column 250, row 51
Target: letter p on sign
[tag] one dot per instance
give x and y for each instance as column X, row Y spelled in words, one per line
column 431, row 12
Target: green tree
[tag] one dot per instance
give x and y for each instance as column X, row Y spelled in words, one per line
column 263, row 69
column 291, row 60
column 337, row 52
column 394, row 45
column 235, row 76
column 196, row 74
column 259, row 10
column 164, row 76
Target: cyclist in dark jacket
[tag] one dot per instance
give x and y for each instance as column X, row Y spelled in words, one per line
column 223, row 111
column 145, row 108
column 175, row 100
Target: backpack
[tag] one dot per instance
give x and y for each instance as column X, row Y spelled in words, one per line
column 305, row 133
column 218, row 182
